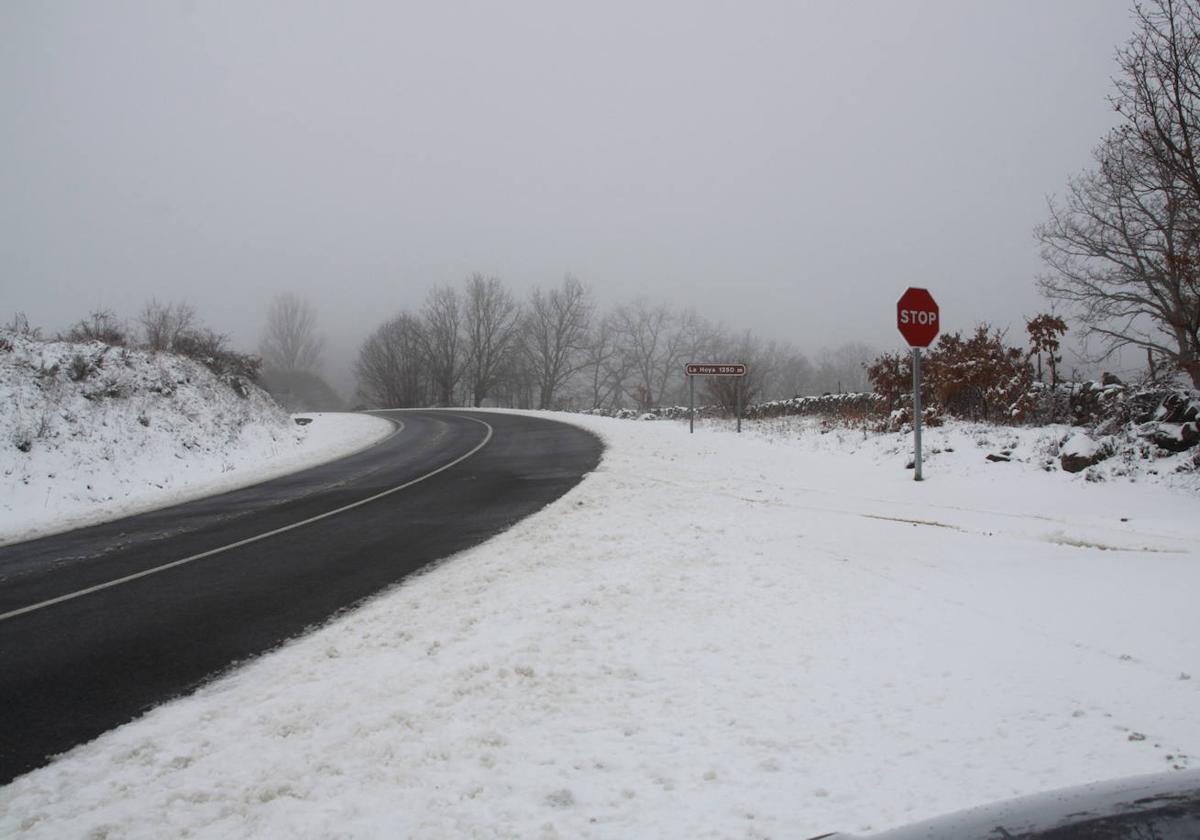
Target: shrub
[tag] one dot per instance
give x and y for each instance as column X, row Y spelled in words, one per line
column 20, row 325
column 102, row 325
column 209, row 348
column 79, row 368
column 977, row 378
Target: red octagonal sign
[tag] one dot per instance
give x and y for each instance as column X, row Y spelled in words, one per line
column 917, row 317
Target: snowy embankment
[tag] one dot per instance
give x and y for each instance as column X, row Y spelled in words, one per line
column 93, row 433
column 777, row 634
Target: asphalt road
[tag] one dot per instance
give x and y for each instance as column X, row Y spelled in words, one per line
column 101, row 624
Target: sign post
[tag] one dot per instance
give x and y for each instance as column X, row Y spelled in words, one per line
column 918, row 320
column 917, row 413
column 738, row 387
column 691, row 404
column 694, row 370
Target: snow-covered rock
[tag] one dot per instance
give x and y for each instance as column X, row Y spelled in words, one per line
column 1081, row 451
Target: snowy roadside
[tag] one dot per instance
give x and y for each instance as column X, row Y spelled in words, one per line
column 92, row 432
column 83, row 485
column 774, row 635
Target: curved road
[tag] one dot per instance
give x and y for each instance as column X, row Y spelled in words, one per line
column 100, row 624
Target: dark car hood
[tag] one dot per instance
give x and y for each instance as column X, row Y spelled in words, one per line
column 1161, row 806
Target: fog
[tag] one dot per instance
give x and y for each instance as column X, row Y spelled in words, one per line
column 786, row 167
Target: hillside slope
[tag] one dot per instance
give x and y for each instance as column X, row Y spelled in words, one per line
column 92, row 432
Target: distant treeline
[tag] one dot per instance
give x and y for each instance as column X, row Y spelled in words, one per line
column 479, row 344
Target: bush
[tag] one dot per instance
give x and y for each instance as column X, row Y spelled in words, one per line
column 209, row 348
column 975, row 378
column 79, row 368
column 102, row 325
column 20, row 325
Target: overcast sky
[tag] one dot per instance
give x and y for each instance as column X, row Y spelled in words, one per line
column 789, row 167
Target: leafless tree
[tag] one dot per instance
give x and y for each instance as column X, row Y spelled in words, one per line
column 605, row 367
column 443, row 317
column 1158, row 89
column 516, row 386
column 746, row 349
column 844, row 369
column 392, row 365
column 788, row 372
column 290, row 340
column 164, row 324
column 556, row 333
column 1123, row 251
column 1123, row 245
column 492, row 320
column 692, row 338
column 645, row 338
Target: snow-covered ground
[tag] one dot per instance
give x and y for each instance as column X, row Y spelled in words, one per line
column 771, row 635
column 93, row 433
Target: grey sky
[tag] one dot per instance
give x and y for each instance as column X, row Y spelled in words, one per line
column 789, row 167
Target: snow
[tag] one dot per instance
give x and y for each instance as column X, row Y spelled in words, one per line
column 140, row 431
column 777, row 634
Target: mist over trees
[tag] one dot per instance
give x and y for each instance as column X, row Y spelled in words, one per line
column 1123, row 244
column 159, row 327
column 290, row 340
column 479, row 344
column 392, row 366
column 164, row 325
column 442, row 328
column 291, row 350
column 492, row 322
column 556, row 336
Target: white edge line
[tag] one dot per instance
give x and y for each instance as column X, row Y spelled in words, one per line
column 147, row 572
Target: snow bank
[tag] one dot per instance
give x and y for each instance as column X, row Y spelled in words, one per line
column 93, row 433
column 777, row 634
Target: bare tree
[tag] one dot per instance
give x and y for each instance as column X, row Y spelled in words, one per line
column 745, row 349
column 1123, row 246
column 444, row 342
column 691, row 338
column 290, row 340
column 516, row 385
column 492, row 320
column 604, row 365
column 645, row 344
column 844, row 369
column 164, row 324
column 1123, row 252
column 788, row 372
column 556, row 332
column 1158, row 90
column 391, row 366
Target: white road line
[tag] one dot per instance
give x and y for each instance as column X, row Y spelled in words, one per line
column 147, row 572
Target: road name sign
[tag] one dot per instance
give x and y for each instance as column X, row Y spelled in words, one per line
column 917, row 317
column 716, row 370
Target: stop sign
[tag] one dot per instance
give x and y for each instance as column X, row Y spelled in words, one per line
column 917, row 317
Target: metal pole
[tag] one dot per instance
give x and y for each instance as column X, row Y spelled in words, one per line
column 917, row 413
column 691, row 405
column 739, row 403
